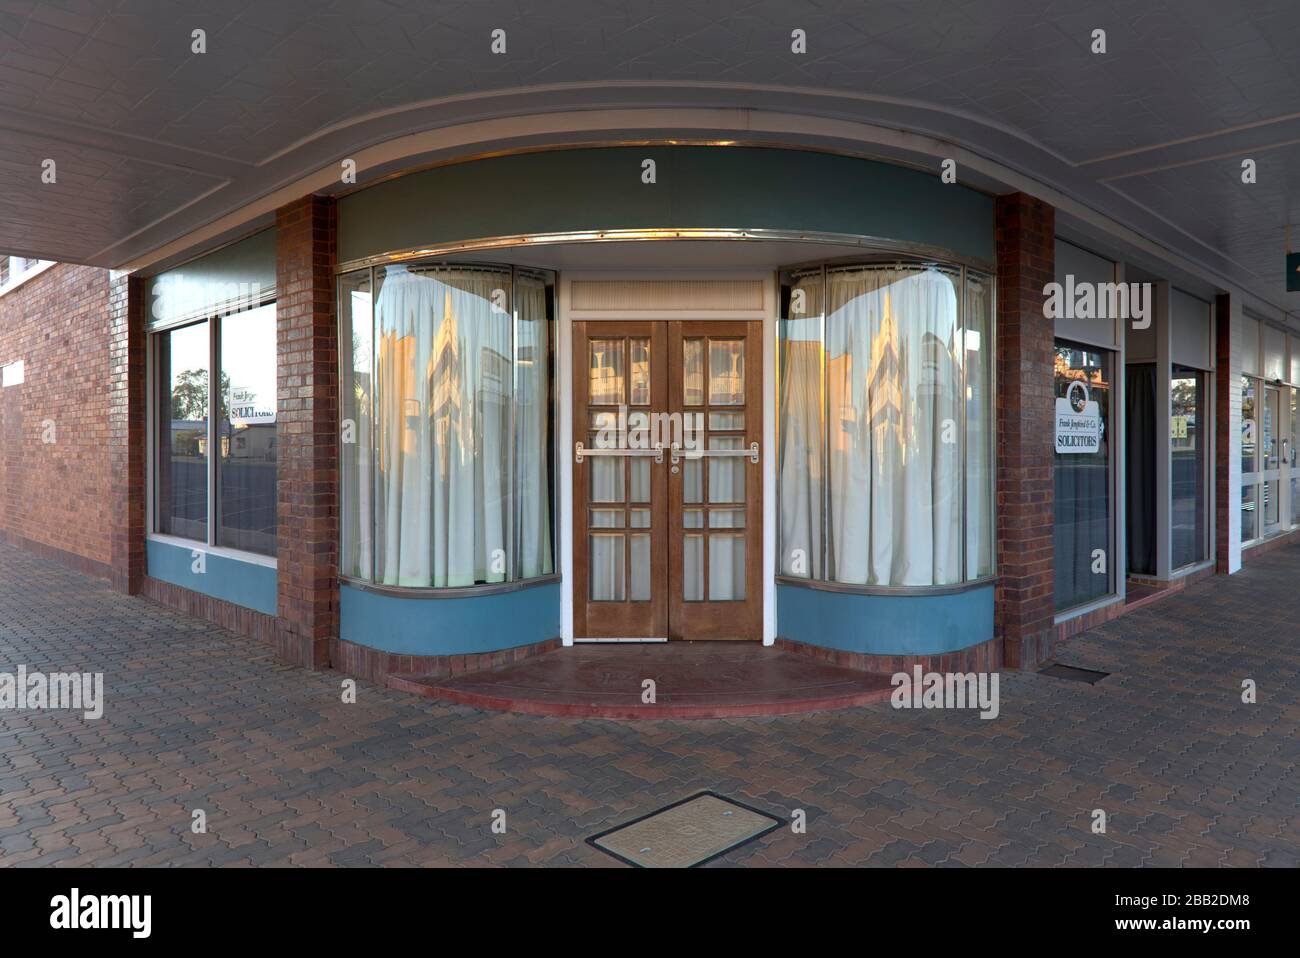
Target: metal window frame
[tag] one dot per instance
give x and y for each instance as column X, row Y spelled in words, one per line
column 152, row 413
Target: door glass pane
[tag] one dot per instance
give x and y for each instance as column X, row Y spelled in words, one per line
column 640, row 519
column 1295, row 444
column 606, row 372
column 640, row 563
column 640, row 468
column 640, row 372
column 727, row 519
column 693, row 372
column 693, row 568
column 693, row 518
column 1270, row 505
column 606, row 568
column 726, row 372
column 1082, row 477
column 1248, row 525
column 607, row 518
column 1248, row 430
column 182, row 477
column 606, row 479
column 1268, row 429
column 692, row 481
column 726, row 568
column 726, row 420
column 726, row 473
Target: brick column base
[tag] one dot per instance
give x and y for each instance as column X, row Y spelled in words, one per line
column 306, row 433
column 1025, row 599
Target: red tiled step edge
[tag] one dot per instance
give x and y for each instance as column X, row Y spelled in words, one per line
column 693, row 680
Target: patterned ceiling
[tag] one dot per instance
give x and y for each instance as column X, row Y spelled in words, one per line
column 152, row 141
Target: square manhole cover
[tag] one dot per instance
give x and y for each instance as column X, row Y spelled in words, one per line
column 686, row 833
column 1073, row 672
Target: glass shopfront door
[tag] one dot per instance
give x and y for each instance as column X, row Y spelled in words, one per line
column 667, row 487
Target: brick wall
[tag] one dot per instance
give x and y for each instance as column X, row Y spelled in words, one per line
column 307, row 432
column 52, row 494
column 1026, row 250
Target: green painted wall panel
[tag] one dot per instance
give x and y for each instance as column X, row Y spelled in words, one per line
column 720, row 187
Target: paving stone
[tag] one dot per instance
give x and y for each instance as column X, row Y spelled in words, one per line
column 197, row 717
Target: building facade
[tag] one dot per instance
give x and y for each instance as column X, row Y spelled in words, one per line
column 468, row 411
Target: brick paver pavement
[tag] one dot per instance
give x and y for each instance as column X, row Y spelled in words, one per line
column 199, row 718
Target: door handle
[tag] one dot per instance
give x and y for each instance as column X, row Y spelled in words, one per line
column 677, row 454
column 580, row 453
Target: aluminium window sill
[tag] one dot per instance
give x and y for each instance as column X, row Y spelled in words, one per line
column 900, row 591
column 449, row 592
column 225, row 552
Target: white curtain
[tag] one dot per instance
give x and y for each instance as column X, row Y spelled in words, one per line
column 443, row 426
column 800, row 438
column 894, row 426
column 979, row 426
column 532, row 426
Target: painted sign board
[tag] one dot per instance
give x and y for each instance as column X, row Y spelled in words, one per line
column 1078, row 421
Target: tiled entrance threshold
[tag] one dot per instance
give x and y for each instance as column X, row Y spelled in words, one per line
column 692, row 680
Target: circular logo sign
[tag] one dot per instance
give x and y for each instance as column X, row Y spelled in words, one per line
column 1077, row 393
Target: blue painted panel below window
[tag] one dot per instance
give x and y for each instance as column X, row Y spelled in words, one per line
column 243, row 583
column 450, row 626
column 885, row 624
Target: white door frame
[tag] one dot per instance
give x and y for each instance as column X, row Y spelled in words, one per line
column 566, row 317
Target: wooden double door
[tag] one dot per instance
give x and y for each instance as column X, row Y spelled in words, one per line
column 667, row 485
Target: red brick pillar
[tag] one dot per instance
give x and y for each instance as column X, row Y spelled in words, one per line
column 306, row 433
column 1227, row 417
column 1025, row 603
column 126, row 430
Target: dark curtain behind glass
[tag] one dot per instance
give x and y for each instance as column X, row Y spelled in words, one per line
column 1140, row 444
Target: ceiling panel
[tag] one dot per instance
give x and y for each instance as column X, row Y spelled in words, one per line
column 113, row 86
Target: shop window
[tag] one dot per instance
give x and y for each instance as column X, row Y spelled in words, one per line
column 184, row 396
column 242, row 433
column 885, row 425
column 1188, row 428
column 1084, row 528
column 447, row 425
column 246, row 470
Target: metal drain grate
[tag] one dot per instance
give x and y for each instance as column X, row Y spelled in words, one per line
column 1073, row 673
column 686, row 833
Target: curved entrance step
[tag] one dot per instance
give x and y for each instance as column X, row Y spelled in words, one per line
column 692, row 680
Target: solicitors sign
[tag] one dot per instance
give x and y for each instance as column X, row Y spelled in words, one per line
column 1078, row 421
column 246, row 410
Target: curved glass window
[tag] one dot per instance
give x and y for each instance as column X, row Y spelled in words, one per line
column 447, row 419
column 885, row 425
